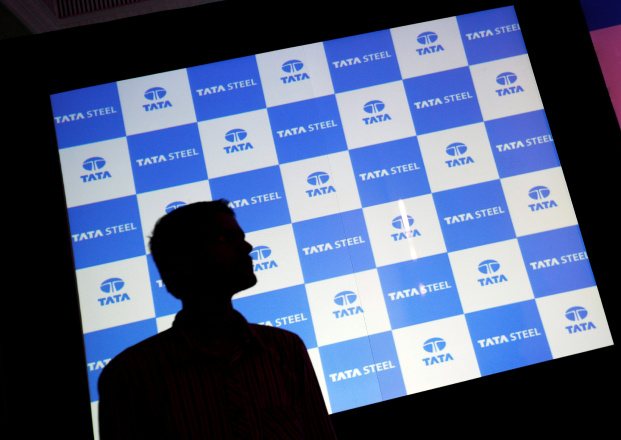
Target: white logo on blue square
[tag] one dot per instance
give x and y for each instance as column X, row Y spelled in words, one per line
column 387, row 365
column 491, row 35
column 349, row 383
column 226, row 88
column 474, row 215
column 285, row 308
column 306, row 129
column 166, row 158
column 165, row 304
column 258, row 198
column 556, row 261
column 362, row 61
column 508, row 337
column 87, row 115
column 102, row 346
column 333, row 246
column 419, row 291
column 443, row 100
column 522, row 143
column 106, row 231
column 390, row 171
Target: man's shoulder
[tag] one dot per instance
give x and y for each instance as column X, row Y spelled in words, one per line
column 277, row 337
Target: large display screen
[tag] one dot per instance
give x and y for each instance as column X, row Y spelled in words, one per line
column 401, row 188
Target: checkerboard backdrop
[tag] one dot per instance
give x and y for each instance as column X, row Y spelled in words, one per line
column 401, row 189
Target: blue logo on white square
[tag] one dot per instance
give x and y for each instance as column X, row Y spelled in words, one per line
column 442, row 100
column 103, row 345
column 418, row 291
column 390, row 171
column 285, row 308
column 508, row 337
column 87, row 115
column 491, row 35
column 226, row 88
column 474, row 215
column 166, row 158
column 347, row 371
column 106, row 231
column 556, row 261
column 522, row 143
column 306, row 129
column 362, row 61
column 333, row 246
column 165, row 304
column 258, row 198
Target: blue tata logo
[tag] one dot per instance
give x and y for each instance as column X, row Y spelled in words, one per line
column 457, row 150
column 291, row 67
column 110, row 287
column 506, row 79
column 94, row 164
column 174, row 205
column 539, row 193
column 260, row 254
column 435, row 345
column 237, row 135
column 576, row 313
column 155, row 94
column 317, row 179
column 427, row 38
column 397, row 222
column 374, row 108
column 344, row 299
column 488, row 267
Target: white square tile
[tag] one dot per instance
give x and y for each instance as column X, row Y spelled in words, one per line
column 490, row 276
column 539, row 201
column 237, row 143
column 374, row 115
column 458, row 157
column 157, row 101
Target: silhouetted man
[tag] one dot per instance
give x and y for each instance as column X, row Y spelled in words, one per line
column 212, row 375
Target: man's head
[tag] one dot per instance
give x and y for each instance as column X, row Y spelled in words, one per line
column 201, row 253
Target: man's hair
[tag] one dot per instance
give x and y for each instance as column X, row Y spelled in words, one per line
column 178, row 235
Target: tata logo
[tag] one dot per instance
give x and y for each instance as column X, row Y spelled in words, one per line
column 156, row 95
column 434, row 346
column 291, row 67
column 375, row 108
column 260, row 255
column 174, row 205
column 457, row 150
column 94, row 164
column 506, row 79
column 497, row 31
column 577, row 314
column 489, row 267
column 398, row 223
column 540, row 193
column 317, row 180
column 112, row 287
column 237, row 135
column 346, row 299
column 98, row 365
column 427, row 38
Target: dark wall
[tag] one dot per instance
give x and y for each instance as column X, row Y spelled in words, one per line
column 43, row 364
